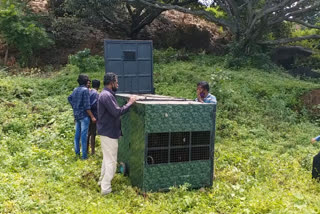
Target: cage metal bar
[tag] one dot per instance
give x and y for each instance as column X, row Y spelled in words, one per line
column 169, row 147
column 174, row 147
column 179, row 155
column 198, row 147
column 190, row 142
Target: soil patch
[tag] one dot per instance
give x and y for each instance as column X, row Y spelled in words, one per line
column 312, row 100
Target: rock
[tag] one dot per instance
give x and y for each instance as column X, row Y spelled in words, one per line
column 202, row 189
column 39, row 6
column 179, row 30
column 70, row 36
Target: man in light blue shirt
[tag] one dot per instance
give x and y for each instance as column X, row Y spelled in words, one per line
column 203, row 94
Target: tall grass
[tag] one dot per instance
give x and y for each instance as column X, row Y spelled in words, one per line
column 262, row 153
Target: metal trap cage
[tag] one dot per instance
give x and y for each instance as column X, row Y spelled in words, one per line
column 167, row 142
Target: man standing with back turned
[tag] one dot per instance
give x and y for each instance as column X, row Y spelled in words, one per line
column 80, row 102
column 94, row 95
column 109, row 129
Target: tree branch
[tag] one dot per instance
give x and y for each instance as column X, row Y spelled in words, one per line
column 185, row 3
column 283, row 14
column 285, row 41
column 264, row 12
column 205, row 14
column 250, row 12
column 302, row 11
column 221, row 4
column 302, row 23
column 144, row 20
column 234, row 7
column 129, row 9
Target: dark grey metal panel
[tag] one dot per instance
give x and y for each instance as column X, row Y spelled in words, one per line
column 132, row 61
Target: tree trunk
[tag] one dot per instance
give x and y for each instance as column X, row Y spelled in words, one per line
column 6, row 56
column 139, row 21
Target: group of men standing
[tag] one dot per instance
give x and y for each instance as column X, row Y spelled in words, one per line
column 101, row 113
column 87, row 107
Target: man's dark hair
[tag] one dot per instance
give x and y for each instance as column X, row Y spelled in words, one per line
column 109, row 78
column 83, row 79
column 204, row 85
column 95, row 83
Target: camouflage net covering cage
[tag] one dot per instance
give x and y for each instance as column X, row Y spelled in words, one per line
column 167, row 142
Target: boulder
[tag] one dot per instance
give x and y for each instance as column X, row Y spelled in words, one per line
column 179, row 30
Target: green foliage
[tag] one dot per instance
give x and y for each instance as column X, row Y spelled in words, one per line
column 70, row 32
column 100, row 13
column 312, row 44
column 90, row 9
column 20, row 30
column 170, row 54
column 216, row 11
column 262, row 156
column 314, row 60
column 255, row 57
column 85, row 62
column 281, row 30
column 164, row 56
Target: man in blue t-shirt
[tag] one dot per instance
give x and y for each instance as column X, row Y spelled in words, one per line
column 80, row 102
column 94, row 95
column 203, row 94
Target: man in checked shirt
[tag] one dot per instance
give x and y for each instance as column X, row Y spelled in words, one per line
column 80, row 102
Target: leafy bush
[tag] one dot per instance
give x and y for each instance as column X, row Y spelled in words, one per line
column 170, row 54
column 85, row 62
column 20, row 30
column 281, row 30
column 164, row 56
column 256, row 57
column 258, row 60
column 313, row 61
column 216, row 11
column 313, row 44
column 14, row 126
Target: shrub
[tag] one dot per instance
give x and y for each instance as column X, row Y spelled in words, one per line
column 312, row 43
column 170, row 54
column 85, row 62
column 256, row 57
column 314, row 60
column 20, row 30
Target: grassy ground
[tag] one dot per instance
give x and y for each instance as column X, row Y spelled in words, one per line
column 263, row 152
